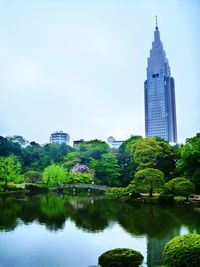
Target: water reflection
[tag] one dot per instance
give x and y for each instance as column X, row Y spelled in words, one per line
column 157, row 224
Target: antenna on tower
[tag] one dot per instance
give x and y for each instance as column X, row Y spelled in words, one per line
column 156, row 22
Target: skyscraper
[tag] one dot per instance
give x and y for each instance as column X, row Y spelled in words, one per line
column 159, row 91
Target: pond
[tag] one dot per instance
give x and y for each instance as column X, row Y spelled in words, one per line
column 52, row 230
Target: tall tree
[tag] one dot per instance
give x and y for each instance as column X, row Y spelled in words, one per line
column 149, row 179
column 126, row 159
column 107, row 170
column 189, row 164
column 10, row 170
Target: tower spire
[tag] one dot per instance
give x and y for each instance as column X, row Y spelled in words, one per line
column 156, row 22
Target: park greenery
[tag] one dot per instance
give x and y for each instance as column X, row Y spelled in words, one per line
column 121, row 257
column 140, row 165
column 181, row 251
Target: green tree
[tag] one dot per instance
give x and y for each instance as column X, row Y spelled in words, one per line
column 8, row 147
column 32, row 176
column 184, row 188
column 10, row 170
column 74, row 178
column 169, row 187
column 107, row 170
column 156, row 153
column 189, row 164
column 126, row 160
column 54, row 175
column 149, row 179
column 18, row 139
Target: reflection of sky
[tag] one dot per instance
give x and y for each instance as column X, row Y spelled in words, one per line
column 33, row 246
column 80, row 65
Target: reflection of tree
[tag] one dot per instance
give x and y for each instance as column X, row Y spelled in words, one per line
column 146, row 220
column 30, row 207
column 9, row 208
column 52, row 211
column 94, row 215
column 155, row 248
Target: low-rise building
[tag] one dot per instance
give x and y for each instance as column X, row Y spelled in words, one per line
column 77, row 142
column 113, row 143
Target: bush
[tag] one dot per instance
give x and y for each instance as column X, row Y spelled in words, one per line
column 166, row 198
column 183, row 251
column 115, row 193
column 120, row 257
column 32, row 176
column 36, row 187
column 123, row 193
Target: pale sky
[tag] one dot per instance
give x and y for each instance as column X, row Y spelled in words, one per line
column 80, row 66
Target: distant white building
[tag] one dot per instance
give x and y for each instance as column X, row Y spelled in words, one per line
column 59, row 137
column 113, row 143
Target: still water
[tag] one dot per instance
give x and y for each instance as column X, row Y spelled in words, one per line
column 52, row 230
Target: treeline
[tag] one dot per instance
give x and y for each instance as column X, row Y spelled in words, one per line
column 135, row 160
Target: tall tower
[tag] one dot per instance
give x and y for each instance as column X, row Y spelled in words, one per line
column 159, row 92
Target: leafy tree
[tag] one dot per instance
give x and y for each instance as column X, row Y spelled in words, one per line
column 32, row 176
column 107, row 170
column 156, row 153
column 126, row 159
column 180, row 187
column 18, row 139
column 71, row 160
column 74, row 178
column 54, row 175
column 184, row 188
column 189, row 164
column 8, row 147
column 38, row 157
column 10, row 170
column 149, row 179
column 169, row 187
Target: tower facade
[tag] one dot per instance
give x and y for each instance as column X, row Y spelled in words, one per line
column 59, row 137
column 159, row 92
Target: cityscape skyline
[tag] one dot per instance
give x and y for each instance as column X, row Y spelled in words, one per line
column 79, row 66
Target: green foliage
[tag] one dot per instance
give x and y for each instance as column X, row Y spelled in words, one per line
column 74, row 178
column 126, row 159
column 156, row 153
column 120, row 257
column 179, row 186
column 32, row 176
column 169, row 187
column 184, row 188
column 183, row 251
column 149, row 179
column 107, row 170
column 39, row 157
column 54, row 175
column 189, row 164
column 123, row 193
column 115, row 193
column 10, row 170
column 8, row 147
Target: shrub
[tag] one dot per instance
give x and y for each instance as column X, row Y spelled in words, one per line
column 166, row 198
column 115, row 193
column 183, row 251
column 33, row 176
column 120, row 257
column 36, row 187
